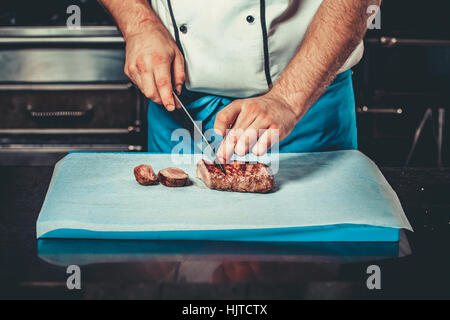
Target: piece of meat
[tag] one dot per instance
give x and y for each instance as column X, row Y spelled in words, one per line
column 145, row 175
column 240, row 177
column 173, row 177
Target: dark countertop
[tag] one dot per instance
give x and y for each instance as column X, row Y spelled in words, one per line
column 208, row 270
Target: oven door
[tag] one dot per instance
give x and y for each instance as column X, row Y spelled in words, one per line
column 64, row 90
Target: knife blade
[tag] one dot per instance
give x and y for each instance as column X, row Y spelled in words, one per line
column 196, row 127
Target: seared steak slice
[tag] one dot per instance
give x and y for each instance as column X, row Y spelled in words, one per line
column 240, row 177
column 173, row 177
column 145, row 175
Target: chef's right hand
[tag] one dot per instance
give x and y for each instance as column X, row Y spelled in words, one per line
column 155, row 64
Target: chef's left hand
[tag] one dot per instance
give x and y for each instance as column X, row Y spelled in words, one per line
column 254, row 122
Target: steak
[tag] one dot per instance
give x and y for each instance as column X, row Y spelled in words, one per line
column 173, row 177
column 145, row 175
column 240, row 176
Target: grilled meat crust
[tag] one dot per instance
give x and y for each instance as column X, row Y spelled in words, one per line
column 240, row 177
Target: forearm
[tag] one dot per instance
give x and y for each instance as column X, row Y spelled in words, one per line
column 335, row 32
column 132, row 16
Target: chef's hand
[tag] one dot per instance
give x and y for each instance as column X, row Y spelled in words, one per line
column 254, row 122
column 155, row 64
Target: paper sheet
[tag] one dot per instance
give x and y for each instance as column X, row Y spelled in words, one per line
column 98, row 192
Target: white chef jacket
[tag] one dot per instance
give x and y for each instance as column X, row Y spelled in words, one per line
column 238, row 48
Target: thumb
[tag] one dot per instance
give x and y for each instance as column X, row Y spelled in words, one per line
column 226, row 117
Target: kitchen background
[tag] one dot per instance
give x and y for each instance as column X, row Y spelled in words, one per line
column 64, row 90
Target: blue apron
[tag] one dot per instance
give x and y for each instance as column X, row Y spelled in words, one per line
column 330, row 124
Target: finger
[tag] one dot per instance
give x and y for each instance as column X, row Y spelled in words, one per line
column 149, row 88
column 226, row 148
column 226, row 117
column 133, row 75
column 143, row 79
column 179, row 75
column 245, row 118
column 250, row 136
column 241, row 125
column 242, row 122
column 266, row 141
column 145, row 83
column 164, row 85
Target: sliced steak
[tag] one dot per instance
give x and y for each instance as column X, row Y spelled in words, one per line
column 173, row 177
column 145, row 175
column 240, row 177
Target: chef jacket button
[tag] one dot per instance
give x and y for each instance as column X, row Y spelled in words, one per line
column 250, row 19
column 183, row 28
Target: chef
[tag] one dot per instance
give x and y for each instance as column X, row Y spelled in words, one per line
column 251, row 70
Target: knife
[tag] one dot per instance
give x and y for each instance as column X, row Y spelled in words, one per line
column 181, row 105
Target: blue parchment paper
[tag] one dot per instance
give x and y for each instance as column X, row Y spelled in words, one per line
column 98, row 192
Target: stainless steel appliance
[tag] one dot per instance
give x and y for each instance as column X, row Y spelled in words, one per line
column 63, row 90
